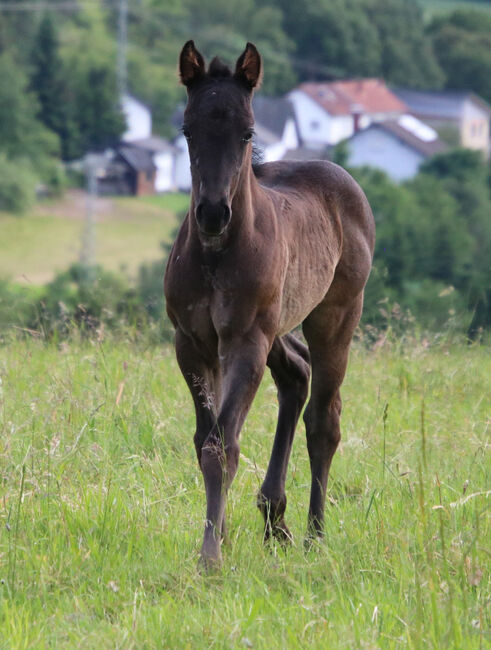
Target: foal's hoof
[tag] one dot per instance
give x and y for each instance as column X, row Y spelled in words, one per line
column 210, row 558
column 208, row 564
column 274, row 523
column 312, row 541
column 280, row 532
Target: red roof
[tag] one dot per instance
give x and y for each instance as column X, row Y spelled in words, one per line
column 356, row 96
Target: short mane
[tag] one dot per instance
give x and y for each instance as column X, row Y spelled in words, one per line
column 218, row 69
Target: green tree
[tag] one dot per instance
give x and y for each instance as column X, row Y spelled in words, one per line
column 465, row 177
column 334, row 38
column 94, row 118
column 46, row 80
column 29, row 149
column 49, row 83
column 17, row 185
column 98, row 115
column 21, row 134
column 462, row 43
column 345, row 38
column 407, row 56
column 224, row 28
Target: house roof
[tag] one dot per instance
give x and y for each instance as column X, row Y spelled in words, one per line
column 446, row 104
column 304, row 153
column 272, row 113
column 418, row 139
column 353, row 96
column 264, row 137
column 137, row 158
column 155, row 144
column 129, row 97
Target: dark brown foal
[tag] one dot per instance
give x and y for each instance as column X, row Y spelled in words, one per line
column 261, row 251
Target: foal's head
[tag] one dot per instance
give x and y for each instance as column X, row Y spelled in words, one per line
column 218, row 125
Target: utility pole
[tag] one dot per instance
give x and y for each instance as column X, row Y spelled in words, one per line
column 87, row 253
column 122, row 68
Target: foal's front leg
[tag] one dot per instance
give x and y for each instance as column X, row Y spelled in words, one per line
column 243, row 360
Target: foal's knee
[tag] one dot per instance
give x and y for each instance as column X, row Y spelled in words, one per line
column 299, row 382
column 322, row 426
column 219, row 459
column 271, row 505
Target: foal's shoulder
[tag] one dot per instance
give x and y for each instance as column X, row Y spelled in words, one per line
column 296, row 174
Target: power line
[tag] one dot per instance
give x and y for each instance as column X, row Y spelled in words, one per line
column 123, row 12
column 122, row 68
column 48, row 6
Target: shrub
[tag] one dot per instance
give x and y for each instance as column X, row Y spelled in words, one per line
column 17, row 185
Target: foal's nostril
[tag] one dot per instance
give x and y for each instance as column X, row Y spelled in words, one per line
column 226, row 214
column 212, row 218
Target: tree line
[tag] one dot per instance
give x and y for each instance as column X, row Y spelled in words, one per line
column 58, row 68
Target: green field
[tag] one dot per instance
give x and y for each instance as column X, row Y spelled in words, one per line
column 128, row 232
column 102, row 507
column 433, row 8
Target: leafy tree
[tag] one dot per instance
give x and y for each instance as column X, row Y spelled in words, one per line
column 224, row 28
column 462, row 43
column 433, row 241
column 344, row 38
column 17, row 185
column 17, row 30
column 97, row 114
column 94, row 119
column 46, row 77
column 407, row 57
column 21, row 134
column 334, row 38
column 465, row 177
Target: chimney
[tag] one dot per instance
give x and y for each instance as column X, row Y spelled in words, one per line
column 356, row 111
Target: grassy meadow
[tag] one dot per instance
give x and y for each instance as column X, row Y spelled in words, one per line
column 128, row 233
column 102, row 508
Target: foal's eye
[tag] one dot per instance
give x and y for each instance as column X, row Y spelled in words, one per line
column 186, row 133
column 247, row 137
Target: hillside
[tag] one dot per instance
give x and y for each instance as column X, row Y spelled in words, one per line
column 128, row 232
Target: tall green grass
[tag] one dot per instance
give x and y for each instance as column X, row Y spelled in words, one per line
column 102, row 508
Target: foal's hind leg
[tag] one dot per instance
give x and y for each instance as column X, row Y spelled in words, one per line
column 289, row 364
column 328, row 330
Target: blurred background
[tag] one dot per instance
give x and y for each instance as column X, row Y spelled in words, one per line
column 94, row 174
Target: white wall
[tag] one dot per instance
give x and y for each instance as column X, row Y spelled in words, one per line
column 164, row 181
column 138, row 119
column 475, row 127
column 313, row 121
column 380, row 149
column 341, row 127
column 182, row 171
column 289, row 140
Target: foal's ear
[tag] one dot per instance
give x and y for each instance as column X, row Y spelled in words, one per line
column 248, row 69
column 191, row 64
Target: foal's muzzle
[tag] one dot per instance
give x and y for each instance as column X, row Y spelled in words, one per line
column 212, row 218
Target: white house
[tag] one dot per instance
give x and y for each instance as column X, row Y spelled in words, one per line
column 163, row 155
column 464, row 112
column 275, row 127
column 329, row 112
column 138, row 119
column 182, row 166
column 397, row 147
